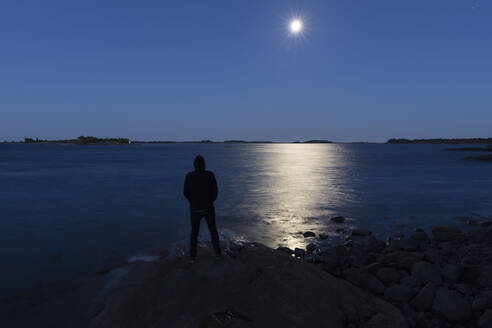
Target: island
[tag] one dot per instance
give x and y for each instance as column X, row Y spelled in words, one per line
column 440, row 141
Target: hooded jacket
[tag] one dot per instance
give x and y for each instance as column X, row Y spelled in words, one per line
column 200, row 187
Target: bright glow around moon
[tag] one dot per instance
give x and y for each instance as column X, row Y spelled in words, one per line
column 295, row 26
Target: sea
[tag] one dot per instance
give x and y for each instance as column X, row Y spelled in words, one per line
column 66, row 210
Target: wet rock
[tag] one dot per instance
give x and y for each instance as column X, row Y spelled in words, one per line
column 426, row 272
column 285, row 250
column 485, row 320
column 364, row 280
column 388, row 275
column 163, row 253
column 380, row 321
column 424, row 299
column 234, row 247
column 480, row 304
column 299, row 252
column 361, row 232
column 463, row 289
column 447, row 233
column 451, row 305
column 310, row 248
column 335, row 258
column 485, row 277
column 323, row 236
column 398, row 293
column 432, row 255
column 371, row 244
column 404, row 260
column 451, row 273
column 372, row 268
column 308, row 234
column 420, row 236
column 311, row 258
column 338, row 219
column 405, row 244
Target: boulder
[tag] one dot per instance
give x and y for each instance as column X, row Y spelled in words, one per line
column 420, row 236
column 405, row 244
column 308, row 234
column 285, row 250
column 451, row 305
column 364, row 280
column 338, row 219
column 410, row 282
column 447, row 233
column 485, row 277
column 451, row 273
column 424, row 299
column 380, row 321
column 485, row 320
column 258, row 289
column 361, row 232
column 480, row 304
column 398, row 293
column 311, row 248
column 299, row 252
column 388, row 275
column 426, row 272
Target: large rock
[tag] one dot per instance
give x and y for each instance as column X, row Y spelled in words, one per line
column 420, row 237
column 285, row 250
column 426, row 272
column 485, row 320
column 447, row 234
column 338, row 219
column 424, row 299
column 388, row 275
column 299, row 252
column 361, row 232
column 404, row 260
column 405, row 244
column 260, row 288
column 364, row 280
column 451, row 305
column 398, row 293
column 451, row 273
column 481, row 303
column 309, row 234
column 310, row 248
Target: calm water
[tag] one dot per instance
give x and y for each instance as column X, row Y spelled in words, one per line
column 65, row 209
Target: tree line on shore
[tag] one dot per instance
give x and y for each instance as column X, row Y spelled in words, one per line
column 82, row 140
column 440, row 141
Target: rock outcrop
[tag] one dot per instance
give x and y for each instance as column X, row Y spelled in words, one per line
column 261, row 287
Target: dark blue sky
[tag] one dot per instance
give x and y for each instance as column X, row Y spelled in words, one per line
column 188, row 70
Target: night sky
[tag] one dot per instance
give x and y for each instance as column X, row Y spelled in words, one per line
column 189, row 70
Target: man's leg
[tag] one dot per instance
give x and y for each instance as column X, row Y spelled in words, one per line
column 195, row 228
column 210, row 217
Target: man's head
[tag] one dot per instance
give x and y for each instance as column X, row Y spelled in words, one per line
column 199, row 163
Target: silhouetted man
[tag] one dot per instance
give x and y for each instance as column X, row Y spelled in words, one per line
column 200, row 188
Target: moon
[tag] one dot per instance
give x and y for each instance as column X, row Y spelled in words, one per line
column 295, row 26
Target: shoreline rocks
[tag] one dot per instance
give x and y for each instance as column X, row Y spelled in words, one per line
column 439, row 281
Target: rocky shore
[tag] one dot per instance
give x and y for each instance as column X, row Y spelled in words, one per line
column 440, row 279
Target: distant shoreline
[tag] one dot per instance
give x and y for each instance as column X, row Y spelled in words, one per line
column 89, row 140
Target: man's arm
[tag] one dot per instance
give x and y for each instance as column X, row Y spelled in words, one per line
column 186, row 188
column 214, row 189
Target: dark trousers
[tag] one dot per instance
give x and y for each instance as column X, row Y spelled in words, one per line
column 196, row 217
